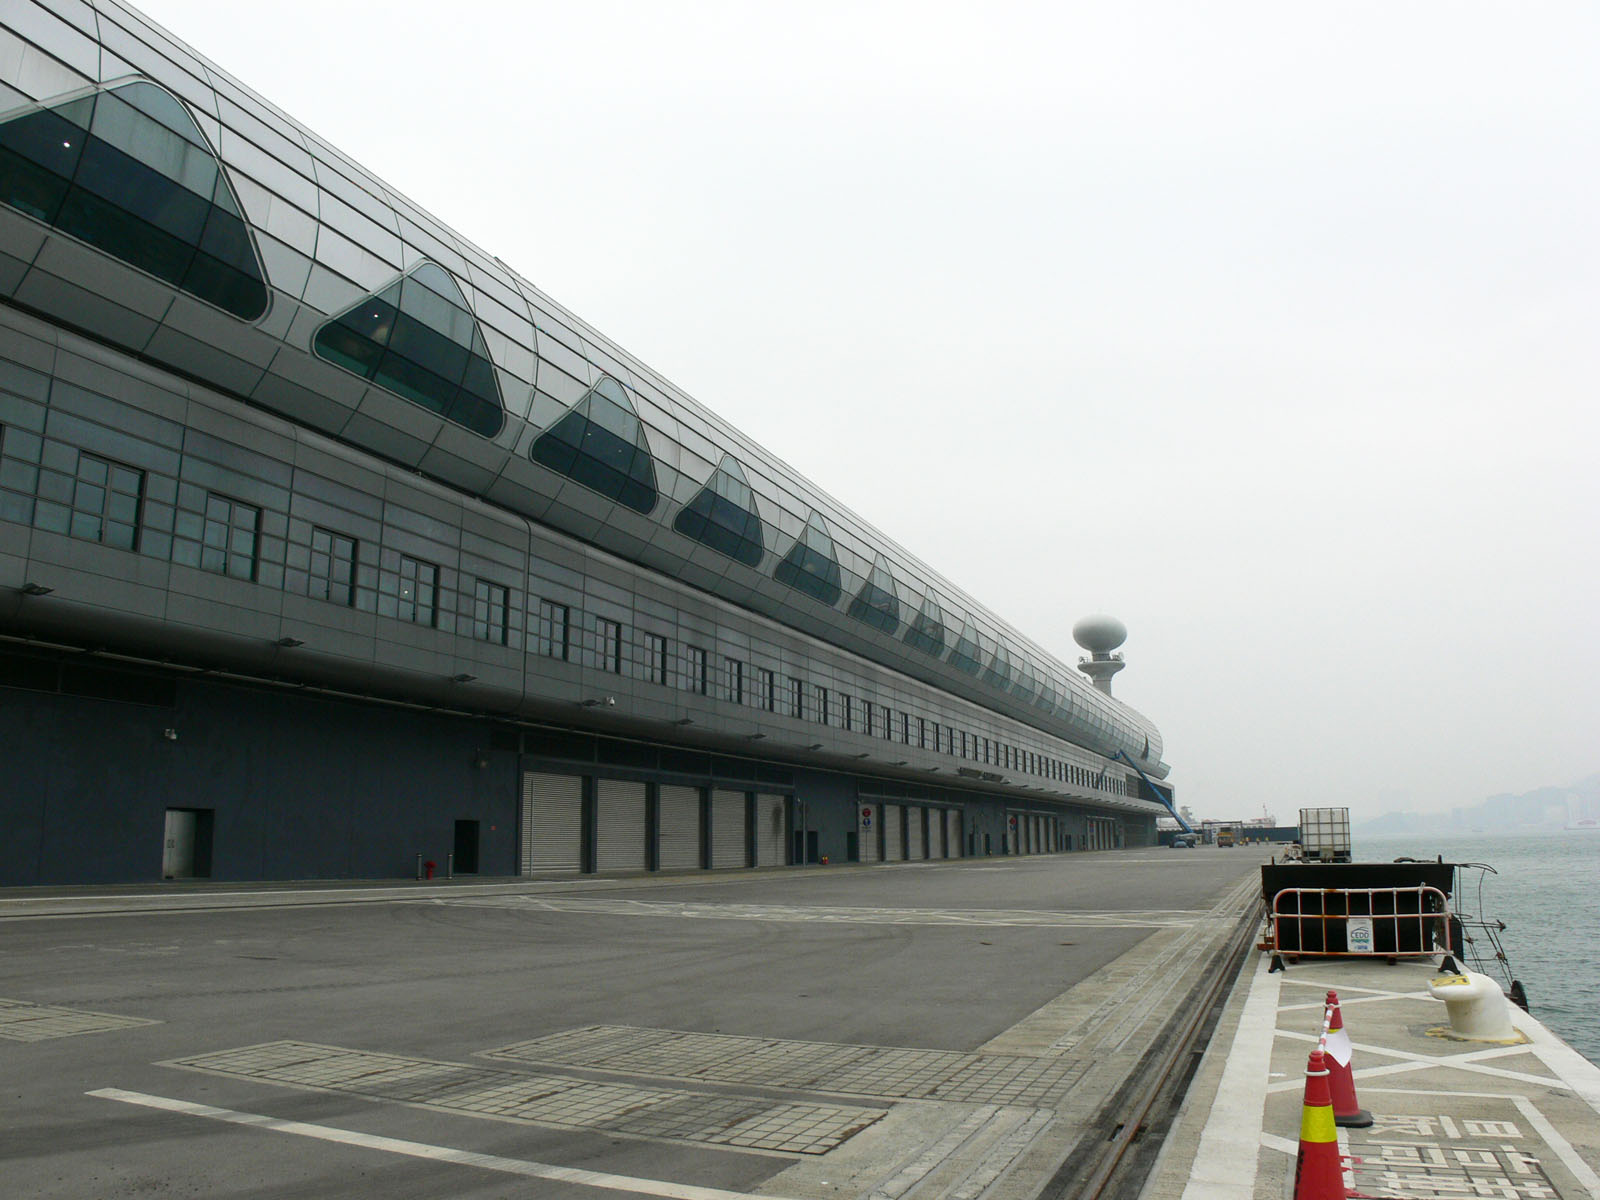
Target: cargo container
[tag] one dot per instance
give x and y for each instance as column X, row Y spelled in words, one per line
column 1325, row 834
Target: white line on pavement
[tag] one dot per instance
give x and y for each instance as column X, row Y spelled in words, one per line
column 465, row 1158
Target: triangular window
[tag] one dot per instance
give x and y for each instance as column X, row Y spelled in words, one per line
column 926, row 631
column 128, row 171
column 999, row 672
column 876, row 603
column 812, row 565
column 600, row 443
column 723, row 515
column 965, row 656
column 418, row 339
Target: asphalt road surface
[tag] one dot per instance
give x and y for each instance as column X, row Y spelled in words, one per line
column 822, row 1032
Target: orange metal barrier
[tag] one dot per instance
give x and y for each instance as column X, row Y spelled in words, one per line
column 1362, row 922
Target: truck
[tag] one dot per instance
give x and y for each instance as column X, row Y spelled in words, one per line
column 1325, row 834
column 1225, row 836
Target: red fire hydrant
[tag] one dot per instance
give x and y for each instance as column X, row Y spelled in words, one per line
column 428, row 867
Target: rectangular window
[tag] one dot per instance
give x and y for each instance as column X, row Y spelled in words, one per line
column 491, row 612
column 694, row 669
column 228, row 537
column 866, row 717
column 821, row 713
column 797, row 699
column 105, row 502
column 922, row 733
column 888, row 723
column 554, row 620
column 905, row 729
column 767, row 682
column 735, row 680
column 846, row 717
column 608, row 645
column 419, row 592
column 333, row 567
column 655, row 658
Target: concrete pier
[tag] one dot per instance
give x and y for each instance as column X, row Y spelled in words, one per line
column 914, row 1030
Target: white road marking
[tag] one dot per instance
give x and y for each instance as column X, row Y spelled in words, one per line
column 465, row 1158
column 1471, row 1060
column 1225, row 1162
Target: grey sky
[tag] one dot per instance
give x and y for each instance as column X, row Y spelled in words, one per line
column 1268, row 328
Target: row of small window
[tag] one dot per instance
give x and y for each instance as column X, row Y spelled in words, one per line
column 100, row 501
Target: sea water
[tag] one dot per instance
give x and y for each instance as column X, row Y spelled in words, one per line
column 1547, row 891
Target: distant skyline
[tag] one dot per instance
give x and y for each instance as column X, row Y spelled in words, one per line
column 1269, row 330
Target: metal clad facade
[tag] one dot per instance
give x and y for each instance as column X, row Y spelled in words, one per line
column 679, row 833
column 727, row 830
column 552, row 823
column 916, row 847
column 771, row 839
column 620, row 826
column 952, row 829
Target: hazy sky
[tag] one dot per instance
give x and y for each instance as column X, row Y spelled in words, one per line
column 1269, row 328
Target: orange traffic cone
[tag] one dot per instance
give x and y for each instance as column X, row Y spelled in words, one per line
column 1318, row 1170
column 1347, row 1111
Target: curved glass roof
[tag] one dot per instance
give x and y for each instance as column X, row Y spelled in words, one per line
column 999, row 672
column 926, row 631
column 128, row 171
column 418, row 339
column 965, row 656
column 876, row 603
column 723, row 515
column 600, row 443
column 812, row 564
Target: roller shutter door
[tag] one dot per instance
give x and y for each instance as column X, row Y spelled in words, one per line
column 869, row 822
column 619, row 843
column 938, row 835
column 551, row 823
column 894, row 818
column 771, row 836
column 679, row 846
column 727, row 830
column 916, row 848
column 952, row 828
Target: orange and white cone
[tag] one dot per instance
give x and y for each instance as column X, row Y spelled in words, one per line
column 1347, row 1111
column 1318, row 1169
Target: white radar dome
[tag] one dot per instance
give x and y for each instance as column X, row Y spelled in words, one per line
column 1099, row 634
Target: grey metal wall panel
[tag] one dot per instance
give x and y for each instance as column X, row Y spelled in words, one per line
column 552, row 823
column 727, row 830
column 679, row 828
column 771, row 830
column 954, row 833
column 620, row 825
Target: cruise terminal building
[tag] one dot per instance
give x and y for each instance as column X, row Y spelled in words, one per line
column 330, row 546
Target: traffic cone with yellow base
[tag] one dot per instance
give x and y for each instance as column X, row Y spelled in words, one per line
column 1318, row 1169
column 1347, row 1111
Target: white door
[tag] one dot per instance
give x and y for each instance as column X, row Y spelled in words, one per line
column 869, row 820
column 771, row 830
column 551, row 823
column 727, row 830
column 177, row 851
column 620, row 826
column 680, row 828
column 893, row 820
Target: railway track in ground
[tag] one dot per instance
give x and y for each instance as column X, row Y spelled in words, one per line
column 1117, row 1152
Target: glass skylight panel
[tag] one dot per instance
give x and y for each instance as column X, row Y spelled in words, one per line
column 127, row 171
column 877, row 603
column 966, row 654
column 812, row 564
column 723, row 515
column 417, row 339
column 999, row 672
column 926, row 631
column 600, row 443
